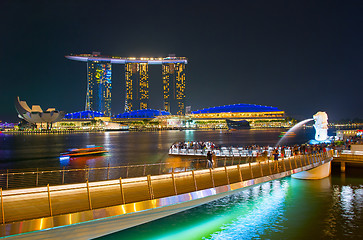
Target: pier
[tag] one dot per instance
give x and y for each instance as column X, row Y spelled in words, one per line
column 354, row 158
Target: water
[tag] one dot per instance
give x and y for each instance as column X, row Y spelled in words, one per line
column 283, row 209
column 331, row 208
column 42, row 150
column 292, row 130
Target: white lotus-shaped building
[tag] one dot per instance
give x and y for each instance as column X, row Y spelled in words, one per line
column 36, row 114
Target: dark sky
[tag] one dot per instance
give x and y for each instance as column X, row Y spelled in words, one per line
column 300, row 56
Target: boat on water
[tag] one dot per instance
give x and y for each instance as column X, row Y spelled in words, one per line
column 237, row 125
column 89, row 150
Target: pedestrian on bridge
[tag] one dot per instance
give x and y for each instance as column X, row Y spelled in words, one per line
column 275, row 153
column 209, row 159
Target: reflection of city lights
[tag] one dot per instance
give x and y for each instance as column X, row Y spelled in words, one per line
column 107, row 140
column 245, row 218
column 189, row 135
column 347, row 198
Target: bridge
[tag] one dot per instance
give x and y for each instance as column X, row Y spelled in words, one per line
column 348, row 157
column 94, row 209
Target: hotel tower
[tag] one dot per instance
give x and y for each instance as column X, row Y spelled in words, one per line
column 98, row 97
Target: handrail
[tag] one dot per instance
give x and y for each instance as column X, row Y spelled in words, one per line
column 37, row 178
column 146, row 185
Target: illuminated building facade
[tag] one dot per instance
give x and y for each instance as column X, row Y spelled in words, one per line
column 98, row 97
column 173, row 75
column 240, row 112
column 258, row 116
column 137, row 86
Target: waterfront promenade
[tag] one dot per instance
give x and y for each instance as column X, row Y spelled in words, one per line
column 133, row 201
column 354, row 158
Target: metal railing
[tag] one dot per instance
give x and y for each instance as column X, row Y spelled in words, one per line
column 37, row 177
column 348, row 155
column 25, row 178
column 148, row 187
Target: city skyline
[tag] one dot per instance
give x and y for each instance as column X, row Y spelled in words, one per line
column 301, row 56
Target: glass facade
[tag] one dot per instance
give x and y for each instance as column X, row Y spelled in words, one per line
column 137, row 86
column 173, row 75
column 98, row 96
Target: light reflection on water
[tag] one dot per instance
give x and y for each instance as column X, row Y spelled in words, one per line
column 266, row 214
column 349, row 199
column 289, row 208
column 38, row 151
column 245, row 214
column 346, row 201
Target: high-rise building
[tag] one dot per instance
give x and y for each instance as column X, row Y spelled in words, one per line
column 98, row 96
column 137, row 86
column 173, row 75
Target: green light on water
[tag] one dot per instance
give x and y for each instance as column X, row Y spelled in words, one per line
column 253, row 213
column 254, row 208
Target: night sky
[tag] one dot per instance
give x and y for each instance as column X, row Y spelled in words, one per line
column 300, row 56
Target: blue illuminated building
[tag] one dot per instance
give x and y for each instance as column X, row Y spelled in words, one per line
column 84, row 115
column 256, row 115
column 144, row 113
column 237, row 108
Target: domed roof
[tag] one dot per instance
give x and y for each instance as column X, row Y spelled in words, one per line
column 84, row 115
column 242, row 107
column 144, row 113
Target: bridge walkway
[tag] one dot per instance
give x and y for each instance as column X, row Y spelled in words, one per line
column 354, row 158
column 34, row 203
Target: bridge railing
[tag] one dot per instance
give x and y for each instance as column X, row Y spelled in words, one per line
column 13, row 178
column 56, row 198
column 348, row 155
column 37, row 177
column 349, row 152
column 16, row 179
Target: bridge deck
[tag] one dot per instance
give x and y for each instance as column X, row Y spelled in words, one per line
column 349, row 157
column 35, row 203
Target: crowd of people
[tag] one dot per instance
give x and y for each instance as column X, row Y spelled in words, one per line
column 262, row 152
column 258, row 150
column 211, row 150
column 352, row 140
column 193, row 145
